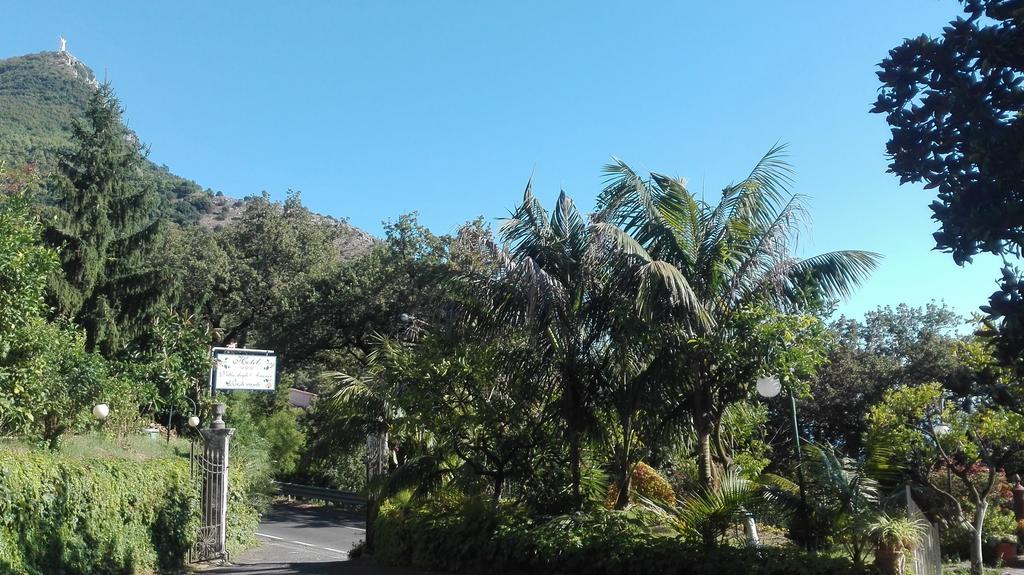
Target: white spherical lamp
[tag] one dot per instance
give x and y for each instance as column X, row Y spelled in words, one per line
column 768, row 387
column 193, row 421
column 100, row 412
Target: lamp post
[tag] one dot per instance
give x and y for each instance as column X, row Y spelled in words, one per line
column 100, row 412
column 769, row 387
column 193, row 420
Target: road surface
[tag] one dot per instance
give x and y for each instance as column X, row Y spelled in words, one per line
column 300, row 539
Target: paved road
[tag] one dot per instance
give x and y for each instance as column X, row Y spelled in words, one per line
column 299, row 539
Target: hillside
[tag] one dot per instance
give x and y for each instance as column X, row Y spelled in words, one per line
column 41, row 95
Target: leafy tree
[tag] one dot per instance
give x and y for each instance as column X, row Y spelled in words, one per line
column 891, row 347
column 368, row 295
column 959, row 435
column 703, row 265
column 59, row 380
column 252, row 278
column 25, row 263
column 954, row 104
column 171, row 366
column 103, row 225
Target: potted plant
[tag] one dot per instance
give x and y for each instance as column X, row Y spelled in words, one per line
column 895, row 537
column 1006, row 547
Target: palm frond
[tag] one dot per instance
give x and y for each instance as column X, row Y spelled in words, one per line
column 662, row 281
column 619, row 239
column 837, row 274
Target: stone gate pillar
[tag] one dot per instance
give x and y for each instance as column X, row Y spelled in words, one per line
column 214, row 469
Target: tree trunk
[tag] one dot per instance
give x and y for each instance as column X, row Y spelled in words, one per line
column 575, row 463
column 499, row 485
column 625, row 466
column 707, row 475
column 979, row 522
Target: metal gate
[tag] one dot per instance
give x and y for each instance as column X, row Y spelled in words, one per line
column 210, row 471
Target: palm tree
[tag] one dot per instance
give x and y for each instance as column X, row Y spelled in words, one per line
column 700, row 264
column 843, row 493
column 544, row 278
column 707, row 514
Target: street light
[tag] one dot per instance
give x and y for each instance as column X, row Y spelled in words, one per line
column 769, row 387
column 100, row 411
column 193, row 420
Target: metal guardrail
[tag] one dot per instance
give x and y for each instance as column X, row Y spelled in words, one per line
column 346, row 498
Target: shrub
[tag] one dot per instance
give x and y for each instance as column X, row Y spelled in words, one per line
column 65, row 514
column 645, row 482
column 471, row 535
column 249, row 483
column 48, row 369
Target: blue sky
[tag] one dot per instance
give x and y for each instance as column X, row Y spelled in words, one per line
column 372, row 109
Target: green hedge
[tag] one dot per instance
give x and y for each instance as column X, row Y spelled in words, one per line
column 470, row 537
column 65, row 514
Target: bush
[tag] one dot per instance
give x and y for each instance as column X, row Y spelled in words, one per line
column 48, row 369
column 249, row 483
column 72, row 515
column 470, row 535
column 645, row 482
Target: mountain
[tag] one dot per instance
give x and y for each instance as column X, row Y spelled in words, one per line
column 41, row 95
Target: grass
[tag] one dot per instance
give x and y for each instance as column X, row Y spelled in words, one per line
column 99, row 446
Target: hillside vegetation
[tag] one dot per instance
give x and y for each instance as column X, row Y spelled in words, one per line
column 42, row 94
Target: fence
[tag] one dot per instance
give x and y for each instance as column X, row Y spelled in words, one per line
column 927, row 558
column 344, row 498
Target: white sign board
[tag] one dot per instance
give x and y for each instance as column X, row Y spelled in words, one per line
column 243, row 369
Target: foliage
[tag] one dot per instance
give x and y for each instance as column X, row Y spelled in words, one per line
column 647, row 483
column 62, row 514
column 170, row 368
column 367, row 295
column 961, row 437
column 51, row 381
column 705, row 266
column 284, row 440
column 249, row 476
column 456, row 534
column 25, row 264
column 743, row 440
column 706, row 515
column 102, row 224
column 896, row 536
column 843, row 496
column 954, row 106
column 256, row 275
column 891, row 347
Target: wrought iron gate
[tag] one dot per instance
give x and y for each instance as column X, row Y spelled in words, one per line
column 210, row 471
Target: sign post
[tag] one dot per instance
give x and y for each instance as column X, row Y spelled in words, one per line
column 243, row 370
column 232, row 369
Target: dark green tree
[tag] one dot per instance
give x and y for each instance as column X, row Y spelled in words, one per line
column 890, row 348
column 253, row 281
column 954, row 104
column 104, row 228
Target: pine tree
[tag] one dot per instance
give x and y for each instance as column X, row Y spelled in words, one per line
column 105, row 228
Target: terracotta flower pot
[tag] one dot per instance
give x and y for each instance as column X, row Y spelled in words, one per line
column 889, row 560
column 1006, row 551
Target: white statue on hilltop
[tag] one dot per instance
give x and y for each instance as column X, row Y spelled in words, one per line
column 63, row 44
